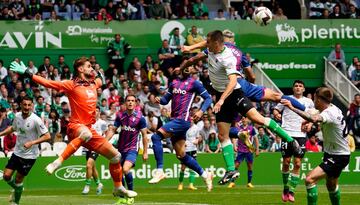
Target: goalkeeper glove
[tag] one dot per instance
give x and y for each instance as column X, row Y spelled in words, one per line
column 21, row 69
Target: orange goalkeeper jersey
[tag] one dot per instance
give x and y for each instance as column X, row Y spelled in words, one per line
column 82, row 97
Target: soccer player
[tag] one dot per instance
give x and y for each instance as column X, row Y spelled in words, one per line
column 81, row 91
column 130, row 123
column 30, row 132
column 243, row 151
column 256, row 93
column 336, row 149
column 181, row 92
column 192, row 139
column 224, row 62
column 291, row 123
column 100, row 127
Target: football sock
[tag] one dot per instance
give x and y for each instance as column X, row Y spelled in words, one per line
column 312, row 194
column 158, row 150
column 192, row 177
column 87, row 181
column 294, row 102
column 97, row 181
column 116, row 174
column 18, row 191
column 249, row 175
column 12, row 183
column 228, row 154
column 335, row 196
column 294, row 181
column 181, row 178
column 71, row 148
column 192, row 164
column 129, row 181
column 285, row 177
column 273, row 126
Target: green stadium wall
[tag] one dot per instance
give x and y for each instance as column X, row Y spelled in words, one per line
column 267, row 171
column 287, row 50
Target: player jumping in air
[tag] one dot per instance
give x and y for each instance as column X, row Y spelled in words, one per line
column 81, row 91
column 182, row 92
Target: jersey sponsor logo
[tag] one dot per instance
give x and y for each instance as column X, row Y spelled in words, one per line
column 179, row 91
column 291, row 66
column 72, row 173
column 128, row 128
column 90, row 93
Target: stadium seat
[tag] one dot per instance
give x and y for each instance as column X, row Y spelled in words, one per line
column 9, row 154
column 59, row 147
column 79, row 152
column 45, row 146
column 2, row 154
column 48, row 153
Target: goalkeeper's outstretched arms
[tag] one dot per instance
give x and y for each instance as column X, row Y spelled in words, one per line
column 21, row 69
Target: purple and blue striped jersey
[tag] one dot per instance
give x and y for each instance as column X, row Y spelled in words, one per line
column 182, row 92
column 241, row 60
column 131, row 124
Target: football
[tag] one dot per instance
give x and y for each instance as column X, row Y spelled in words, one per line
column 262, row 16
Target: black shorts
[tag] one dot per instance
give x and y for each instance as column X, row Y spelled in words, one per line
column 334, row 164
column 21, row 165
column 193, row 154
column 92, row 155
column 286, row 151
column 235, row 103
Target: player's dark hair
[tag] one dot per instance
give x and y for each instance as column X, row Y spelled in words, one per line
column 130, row 96
column 217, row 36
column 77, row 63
column 356, row 95
column 325, row 94
column 26, row 97
column 299, row 82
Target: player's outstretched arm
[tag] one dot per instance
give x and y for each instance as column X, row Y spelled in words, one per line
column 192, row 61
column 188, row 49
column 7, row 131
column 314, row 118
column 21, row 69
column 250, row 75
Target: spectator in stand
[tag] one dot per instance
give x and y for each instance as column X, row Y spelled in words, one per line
column 354, row 116
column 353, row 13
column 249, row 13
column 205, row 16
column 111, row 113
column 129, row 10
column 352, row 67
column 345, row 6
column 138, row 70
column 114, row 98
column 117, row 51
column 7, row 14
column 355, row 75
column 184, row 10
column 47, row 5
column 243, row 8
column 104, row 16
column 337, row 14
column 193, row 38
column 9, row 143
column 53, row 16
column 148, row 64
column 152, row 106
column 86, row 16
column 199, row 8
column 3, row 71
column 316, row 9
column 212, row 143
column 279, row 15
column 263, row 140
column 141, row 10
column 329, row 5
column 66, row 73
column 152, row 122
column 162, row 79
column 311, row 144
column 61, row 63
column 166, row 56
column 39, row 106
column 176, row 41
column 325, row 14
column 157, row 10
column 220, row 15
column 168, row 12
column 4, row 121
column 276, row 145
column 17, row 8
column 46, row 64
column 143, row 95
column 53, row 125
column 337, row 56
column 233, row 14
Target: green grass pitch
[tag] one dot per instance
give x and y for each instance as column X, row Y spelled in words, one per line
column 156, row 195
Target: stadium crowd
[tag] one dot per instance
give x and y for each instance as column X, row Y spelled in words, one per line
column 120, row 10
